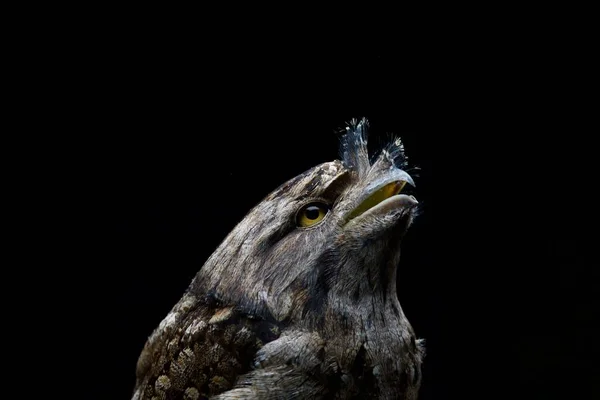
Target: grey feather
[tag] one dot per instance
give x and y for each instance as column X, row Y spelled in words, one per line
column 282, row 309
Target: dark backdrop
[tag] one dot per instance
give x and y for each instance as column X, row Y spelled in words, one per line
column 184, row 133
column 190, row 142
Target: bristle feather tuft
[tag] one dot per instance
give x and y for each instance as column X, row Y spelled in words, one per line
column 354, row 152
column 355, row 155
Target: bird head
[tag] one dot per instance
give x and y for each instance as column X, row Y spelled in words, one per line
column 332, row 231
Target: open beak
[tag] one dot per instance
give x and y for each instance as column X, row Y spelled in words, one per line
column 383, row 196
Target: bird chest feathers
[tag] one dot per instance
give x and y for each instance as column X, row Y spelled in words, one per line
column 299, row 301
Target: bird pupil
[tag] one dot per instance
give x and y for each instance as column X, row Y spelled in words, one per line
column 312, row 212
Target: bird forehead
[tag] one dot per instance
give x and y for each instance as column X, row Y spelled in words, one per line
column 331, row 169
column 311, row 181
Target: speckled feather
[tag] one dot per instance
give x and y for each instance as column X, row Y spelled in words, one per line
column 201, row 351
column 279, row 311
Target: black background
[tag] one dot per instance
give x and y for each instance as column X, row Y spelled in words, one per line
column 181, row 130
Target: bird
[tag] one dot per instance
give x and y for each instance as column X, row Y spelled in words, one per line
column 299, row 301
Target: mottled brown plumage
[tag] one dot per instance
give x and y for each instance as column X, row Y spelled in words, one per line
column 299, row 301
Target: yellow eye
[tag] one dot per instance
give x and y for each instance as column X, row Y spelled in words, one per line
column 311, row 214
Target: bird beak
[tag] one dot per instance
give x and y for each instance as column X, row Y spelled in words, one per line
column 383, row 195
